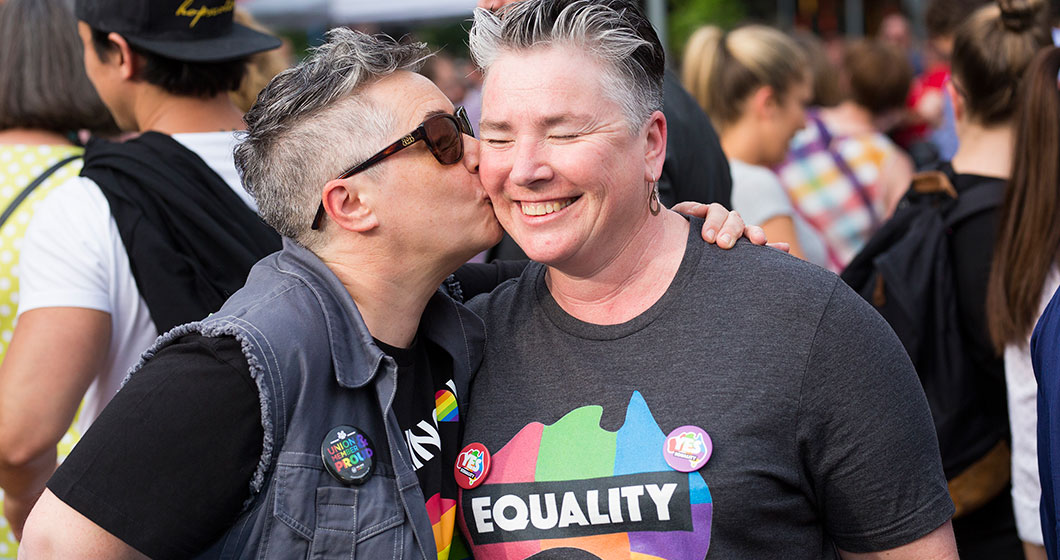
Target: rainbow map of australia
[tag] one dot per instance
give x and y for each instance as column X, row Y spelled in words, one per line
column 575, row 490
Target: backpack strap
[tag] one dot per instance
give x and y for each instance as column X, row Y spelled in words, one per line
column 978, row 198
column 22, row 196
column 844, row 168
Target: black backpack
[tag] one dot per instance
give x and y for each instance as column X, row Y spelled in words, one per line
column 905, row 271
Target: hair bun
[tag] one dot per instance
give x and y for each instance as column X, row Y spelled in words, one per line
column 1019, row 15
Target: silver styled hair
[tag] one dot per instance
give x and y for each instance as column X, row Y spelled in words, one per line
column 613, row 31
column 308, row 125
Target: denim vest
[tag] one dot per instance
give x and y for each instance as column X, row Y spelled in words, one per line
column 316, row 368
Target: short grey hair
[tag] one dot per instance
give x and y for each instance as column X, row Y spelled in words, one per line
column 308, row 125
column 613, row 31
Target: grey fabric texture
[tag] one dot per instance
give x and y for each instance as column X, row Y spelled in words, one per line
column 821, row 433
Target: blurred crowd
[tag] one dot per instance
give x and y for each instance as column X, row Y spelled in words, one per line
column 836, row 147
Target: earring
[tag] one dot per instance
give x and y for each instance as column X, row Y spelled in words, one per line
column 654, row 206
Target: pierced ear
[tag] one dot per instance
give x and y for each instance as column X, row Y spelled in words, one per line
column 655, row 146
column 347, row 206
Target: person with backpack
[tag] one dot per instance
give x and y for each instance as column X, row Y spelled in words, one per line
column 927, row 270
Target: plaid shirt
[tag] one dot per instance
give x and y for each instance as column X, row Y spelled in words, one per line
column 833, row 183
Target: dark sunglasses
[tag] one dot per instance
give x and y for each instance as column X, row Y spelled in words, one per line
column 441, row 133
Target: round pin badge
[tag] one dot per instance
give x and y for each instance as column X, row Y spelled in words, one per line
column 347, row 454
column 687, row 448
column 472, row 466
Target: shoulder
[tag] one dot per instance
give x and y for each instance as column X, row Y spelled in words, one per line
column 75, row 213
column 769, row 269
column 757, row 193
column 777, row 294
column 745, row 175
column 506, row 298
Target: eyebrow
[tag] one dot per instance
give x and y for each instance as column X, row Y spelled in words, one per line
column 435, row 112
column 547, row 122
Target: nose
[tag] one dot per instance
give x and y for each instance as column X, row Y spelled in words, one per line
column 529, row 164
column 471, row 154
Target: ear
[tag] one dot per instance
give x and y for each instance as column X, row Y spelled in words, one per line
column 347, row 205
column 655, row 146
column 128, row 62
column 955, row 100
column 763, row 102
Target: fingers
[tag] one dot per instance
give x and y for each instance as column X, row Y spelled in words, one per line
column 691, row 209
column 780, row 246
column 755, row 235
column 718, row 227
column 732, row 228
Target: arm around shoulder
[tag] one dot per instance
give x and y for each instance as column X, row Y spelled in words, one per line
column 56, row 530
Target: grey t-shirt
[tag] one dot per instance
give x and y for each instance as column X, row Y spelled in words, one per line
column 821, row 433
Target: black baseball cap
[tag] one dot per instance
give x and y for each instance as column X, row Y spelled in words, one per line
column 186, row 30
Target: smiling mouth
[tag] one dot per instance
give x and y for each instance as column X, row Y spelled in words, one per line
column 545, row 208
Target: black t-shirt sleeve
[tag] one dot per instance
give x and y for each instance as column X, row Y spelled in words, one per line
column 871, row 457
column 167, row 465
column 482, row 278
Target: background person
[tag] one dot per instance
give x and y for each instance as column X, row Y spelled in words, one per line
column 155, row 232
column 844, row 176
column 754, row 83
column 1023, row 276
column 597, row 353
column 45, row 99
column 992, row 50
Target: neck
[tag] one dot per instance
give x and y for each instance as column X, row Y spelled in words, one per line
column 983, row 150
column 629, row 281
column 391, row 291
column 170, row 114
column 32, row 136
column 849, row 118
column 739, row 141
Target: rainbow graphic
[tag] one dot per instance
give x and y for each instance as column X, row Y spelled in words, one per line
column 443, row 520
column 445, row 406
column 577, row 486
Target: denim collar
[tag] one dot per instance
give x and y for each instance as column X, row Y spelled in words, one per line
column 355, row 356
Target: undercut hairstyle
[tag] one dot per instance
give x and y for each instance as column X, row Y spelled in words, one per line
column 879, row 75
column 722, row 70
column 614, row 32
column 991, row 52
column 42, row 74
column 309, row 124
column 186, row 79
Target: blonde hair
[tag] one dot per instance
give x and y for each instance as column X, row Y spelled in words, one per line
column 721, row 70
column 261, row 67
